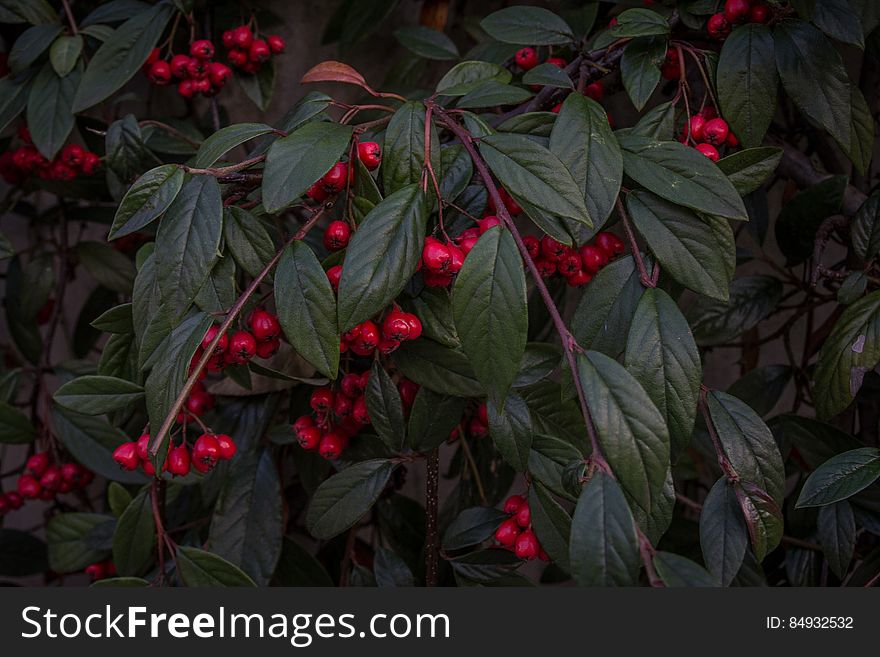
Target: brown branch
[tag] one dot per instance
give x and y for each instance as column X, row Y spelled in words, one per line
column 156, row 440
column 646, row 279
column 432, row 535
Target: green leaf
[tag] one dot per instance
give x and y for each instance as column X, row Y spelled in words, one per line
column 76, row 540
column 762, row 387
column 225, row 139
column 246, row 526
column 551, row 524
column 749, row 168
column 814, row 77
column 723, row 533
column 837, row 534
column 15, row 427
column 511, row 429
column 841, row 477
column 439, row 368
column 14, row 93
column 467, row 76
column 426, row 42
column 97, row 395
column 404, row 150
column 678, row 571
column 839, row 21
column 188, row 242
column 748, row 82
column 604, row 549
column 385, row 408
column 602, row 318
column 306, row 308
column 681, row 175
column 662, row 356
column 122, row 55
column 801, row 217
column 32, row 43
column 382, row 256
column 657, row 123
column 65, row 53
column 49, row 114
column 631, row 431
column 699, row 255
column 635, row 23
column 21, row 554
column 490, row 310
column 118, row 498
column 527, row 26
column 259, row 86
column 147, row 199
column 471, row 527
column 432, row 418
column 529, row 171
column 295, row 162
column 865, row 232
column 345, row 497
column 752, row 298
column 747, row 443
column 639, row 68
column 198, row 568
column 494, row 94
column 390, row 570
column 548, row 75
column 134, row 541
column 583, row 141
column 247, row 239
column 91, row 441
column 763, row 518
column 851, row 350
column 111, row 268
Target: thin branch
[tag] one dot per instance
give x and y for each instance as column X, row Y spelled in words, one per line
column 170, row 129
column 70, row 18
column 646, row 279
column 432, row 501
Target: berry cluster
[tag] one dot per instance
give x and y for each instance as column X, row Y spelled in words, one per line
column 516, row 533
column 708, row 132
column 735, row 12
column 340, row 174
column 101, row 570
column 196, row 72
column 577, row 266
column 43, row 479
column 207, row 450
column 367, row 337
column 72, row 161
column 247, row 51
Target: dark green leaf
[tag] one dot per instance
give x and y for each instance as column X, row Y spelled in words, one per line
column 841, row 477
column 866, row 228
column 49, row 114
column 801, row 217
column 551, row 524
column 297, row 567
column 432, row 418
column 493, row 94
column 723, row 533
column 678, row 571
column 385, row 408
column 426, row 42
column 635, row 23
column 307, row 308
column 749, row 168
column 527, row 26
column 198, row 568
column 248, row 240
column 225, row 139
column 147, row 199
column 65, row 53
column 404, row 151
column 259, row 86
column 437, row 367
column 111, row 268
column 763, row 518
column 69, row 538
column 471, row 527
column 97, row 395
column 32, row 43
column 391, row 570
column 548, row 75
column 467, row 76
column 639, row 68
column 511, row 429
column 839, row 21
column 762, row 387
column 134, row 541
column 837, row 534
column 15, row 428
column 752, row 298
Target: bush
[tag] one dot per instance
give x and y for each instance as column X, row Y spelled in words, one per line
column 469, row 279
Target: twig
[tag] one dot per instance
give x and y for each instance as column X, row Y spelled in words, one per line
column 70, row 18
column 170, row 129
column 469, row 457
column 646, row 279
column 432, row 536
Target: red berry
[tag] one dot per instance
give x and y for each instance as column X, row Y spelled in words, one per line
column 360, row 411
column 552, row 250
column 238, row 57
column 335, row 179
column 436, row 279
column 178, row 462
column 367, row 340
column 523, row 515
column 556, row 108
column 546, row 268
column 709, row 151
column 29, row 487
column 198, row 403
column 526, row 58
column 151, row 58
column 159, row 73
column 488, row 222
column 718, row 27
column 72, row 155
column 370, row 154
column 228, row 39
column 205, row 452
column 731, row 141
column 669, row 71
column 396, row 326
column 466, row 244
column 512, row 504
column 593, row 257
column 242, row 347
column 309, row 438
column 51, row 478
column 557, row 61
column 507, row 532
column 143, row 445
column 264, row 325
column 333, row 275
column 716, row 131
column 38, row 463
column 276, row 44
column 60, row 171
column 202, row 49
column 218, row 73
column 259, row 51
column 415, row 328
column 126, row 456
column 269, row 348
column 609, row 243
column 228, row 448
column 570, row 264
column 408, row 390
column 209, row 338
column 242, row 36
column 303, row 422
column 758, row 14
column 595, row 90
column 185, row 88
column 696, row 128
column 351, row 384
column 96, row 571
column 533, row 246
column 321, row 400
column 457, row 258
column 197, row 69
column 435, row 255
column 527, row 546
column 14, row 500
column 736, row 11
column 336, row 235
column 342, row 405
column 331, row 445
column 179, row 64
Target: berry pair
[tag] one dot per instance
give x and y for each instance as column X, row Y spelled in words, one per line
column 101, row 570
column 708, row 132
column 198, row 74
column 245, row 50
column 516, row 533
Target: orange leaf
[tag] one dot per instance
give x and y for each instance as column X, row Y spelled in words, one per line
column 331, row 71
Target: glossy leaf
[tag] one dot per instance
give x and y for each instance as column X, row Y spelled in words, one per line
column 723, row 533
column 511, row 429
column 404, row 151
column 426, row 42
column 134, row 541
column 147, row 199
column 225, row 139
column 96, row 395
column 749, row 168
column 49, row 110
column 837, row 534
column 199, row 568
column 385, row 407
column 752, row 298
column 841, row 477
column 527, row 26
